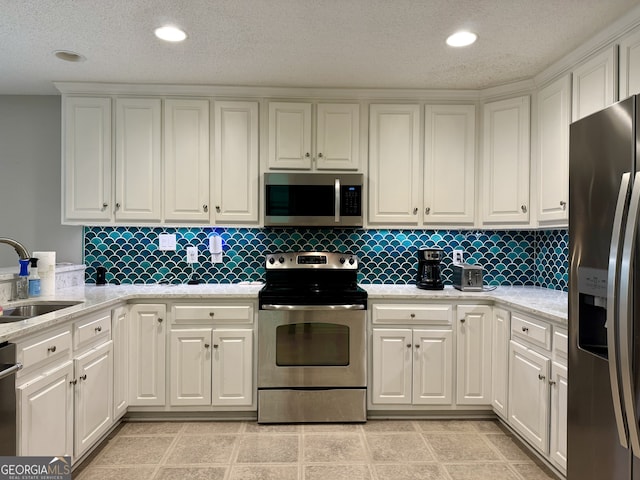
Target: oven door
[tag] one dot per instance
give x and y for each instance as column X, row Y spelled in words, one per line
column 316, row 347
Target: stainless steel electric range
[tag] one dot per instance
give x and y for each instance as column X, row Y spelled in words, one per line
column 312, row 339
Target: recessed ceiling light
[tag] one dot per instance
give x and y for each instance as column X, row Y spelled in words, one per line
column 170, row 34
column 461, row 39
column 68, row 56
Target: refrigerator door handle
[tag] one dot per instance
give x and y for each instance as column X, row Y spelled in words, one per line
column 626, row 310
column 612, row 307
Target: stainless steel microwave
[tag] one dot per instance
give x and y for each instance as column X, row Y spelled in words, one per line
column 313, row 199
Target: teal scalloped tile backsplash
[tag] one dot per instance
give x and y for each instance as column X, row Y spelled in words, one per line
column 131, row 254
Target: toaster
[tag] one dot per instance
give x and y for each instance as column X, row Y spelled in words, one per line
column 467, row 278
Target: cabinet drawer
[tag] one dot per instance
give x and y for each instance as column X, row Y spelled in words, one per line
column 561, row 343
column 531, row 330
column 227, row 314
column 43, row 349
column 91, row 329
column 410, row 314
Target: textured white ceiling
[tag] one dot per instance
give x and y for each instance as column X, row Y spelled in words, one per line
column 312, row 43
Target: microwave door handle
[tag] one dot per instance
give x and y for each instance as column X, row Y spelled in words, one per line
column 626, row 321
column 337, row 205
column 612, row 307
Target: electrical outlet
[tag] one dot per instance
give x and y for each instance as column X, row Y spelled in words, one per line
column 458, row 257
column 192, row 254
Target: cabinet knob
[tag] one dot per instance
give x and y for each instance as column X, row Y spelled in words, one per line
column 98, row 329
column 415, row 211
column 552, row 383
column 307, row 155
column 117, row 206
column 160, row 320
column 525, row 329
column 320, row 155
column 462, row 320
column 413, row 315
column 408, row 345
column 523, row 208
column 104, row 205
column 218, row 208
column 417, row 345
column 563, row 204
column 206, row 345
column 541, row 377
column 51, row 349
column 212, row 314
column 205, row 208
column 73, row 382
column 427, row 210
column 215, row 345
column 83, row 377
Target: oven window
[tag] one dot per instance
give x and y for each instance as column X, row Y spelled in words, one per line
column 312, row 344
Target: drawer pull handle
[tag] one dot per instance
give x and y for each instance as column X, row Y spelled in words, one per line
column 413, row 315
column 83, row 377
column 525, row 329
column 73, row 382
column 98, row 329
column 212, row 314
column 541, row 377
column 52, row 349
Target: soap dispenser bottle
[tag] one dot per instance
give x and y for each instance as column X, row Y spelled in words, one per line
column 22, row 284
column 34, row 279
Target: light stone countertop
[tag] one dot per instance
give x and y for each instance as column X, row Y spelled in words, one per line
column 545, row 303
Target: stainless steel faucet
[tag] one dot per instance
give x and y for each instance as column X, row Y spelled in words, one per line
column 20, row 249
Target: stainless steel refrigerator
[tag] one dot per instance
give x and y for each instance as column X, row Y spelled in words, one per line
column 604, row 295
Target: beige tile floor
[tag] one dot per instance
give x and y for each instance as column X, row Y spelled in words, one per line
column 377, row 450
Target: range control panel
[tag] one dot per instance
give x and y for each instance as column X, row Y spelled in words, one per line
column 316, row 260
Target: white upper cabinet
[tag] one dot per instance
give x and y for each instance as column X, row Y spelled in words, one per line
column 235, row 160
column 289, row 135
column 186, row 160
column 394, row 164
column 87, row 163
column 449, row 164
column 506, row 161
column 630, row 64
column 594, row 84
column 138, row 159
column 338, row 136
column 554, row 104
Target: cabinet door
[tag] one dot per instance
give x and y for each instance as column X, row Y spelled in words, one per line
column 235, row 176
column 506, row 161
column 232, row 367
column 500, row 361
column 191, row 367
column 432, row 367
column 87, row 159
column 147, row 353
column 474, row 355
column 138, row 159
column 392, row 366
column 45, row 414
column 630, row 64
column 594, row 84
column 289, row 135
column 186, row 160
column 338, row 138
column 94, row 396
column 529, row 395
column 554, row 103
column 559, row 388
column 449, row 158
column 394, row 164
column 120, row 335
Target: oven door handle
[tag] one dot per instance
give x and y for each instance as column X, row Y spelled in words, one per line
column 357, row 306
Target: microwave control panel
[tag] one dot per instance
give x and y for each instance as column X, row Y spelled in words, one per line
column 351, row 200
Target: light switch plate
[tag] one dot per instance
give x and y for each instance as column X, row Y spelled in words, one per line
column 192, row 254
column 167, row 241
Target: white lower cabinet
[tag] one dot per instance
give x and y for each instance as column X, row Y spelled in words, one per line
column 559, row 389
column 45, row 414
column 212, row 367
column 500, row 361
column 93, row 407
column 120, row 335
column 412, row 366
column 529, row 394
column 473, row 370
column 147, row 352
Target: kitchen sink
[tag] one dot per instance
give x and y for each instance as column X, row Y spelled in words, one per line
column 30, row 310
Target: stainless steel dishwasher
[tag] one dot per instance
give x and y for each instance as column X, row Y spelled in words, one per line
column 8, row 369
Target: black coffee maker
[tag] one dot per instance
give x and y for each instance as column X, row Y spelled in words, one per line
column 429, row 269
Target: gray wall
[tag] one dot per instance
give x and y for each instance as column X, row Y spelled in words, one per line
column 30, row 179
